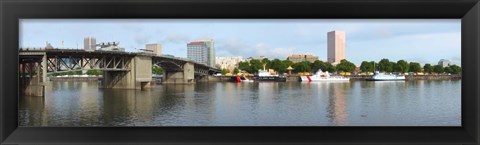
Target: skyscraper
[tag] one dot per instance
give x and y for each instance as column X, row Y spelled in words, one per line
column 155, row 48
column 202, row 51
column 89, row 44
column 336, row 46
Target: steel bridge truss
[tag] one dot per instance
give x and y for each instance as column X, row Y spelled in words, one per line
column 107, row 63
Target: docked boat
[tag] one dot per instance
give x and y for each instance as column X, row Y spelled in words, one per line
column 240, row 79
column 386, row 77
column 321, row 76
column 264, row 75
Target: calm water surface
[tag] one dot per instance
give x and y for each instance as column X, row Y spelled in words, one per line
column 356, row 103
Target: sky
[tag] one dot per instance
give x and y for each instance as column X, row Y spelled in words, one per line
column 413, row 40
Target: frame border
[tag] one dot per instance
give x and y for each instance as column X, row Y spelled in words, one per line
column 11, row 11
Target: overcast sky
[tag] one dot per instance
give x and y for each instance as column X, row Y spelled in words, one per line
column 424, row 41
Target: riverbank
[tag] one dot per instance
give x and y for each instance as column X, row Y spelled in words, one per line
column 411, row 77
column 75, row 78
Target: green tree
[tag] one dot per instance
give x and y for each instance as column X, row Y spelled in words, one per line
column 224, row 71
column 447, row 70
column 327, row 66
column 345, row 66
column 428, row 68
column 455, row 69
column 287, row 63
column 157, row 70
column 244, row 66
column 438, row 69
column 278, row 66
column 385, row 65
column 236, row 71
column 266, row 62
column 415, row 67
column 303, row 66
column 402, row 66
column 255, row 65
column 317, row 64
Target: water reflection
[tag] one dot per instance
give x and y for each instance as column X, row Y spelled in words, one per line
column 356, row 103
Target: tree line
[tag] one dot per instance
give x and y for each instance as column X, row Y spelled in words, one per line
column 384, row 65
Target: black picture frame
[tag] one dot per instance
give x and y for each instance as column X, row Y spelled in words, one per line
column 466, row 10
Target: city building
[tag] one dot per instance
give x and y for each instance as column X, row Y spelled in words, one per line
column 228, row 62
column 154, row 48
column 295, row 58
column 202, row 51
column 336, row 46
column 444, row 62
column 89, row 44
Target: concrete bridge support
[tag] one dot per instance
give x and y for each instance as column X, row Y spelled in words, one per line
column 139, row 76
column 185, row 77
column 34, row 83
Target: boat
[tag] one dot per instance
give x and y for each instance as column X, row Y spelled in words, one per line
column 386, row 77
column 264, row 75
column 240, row 79
column 321, row 76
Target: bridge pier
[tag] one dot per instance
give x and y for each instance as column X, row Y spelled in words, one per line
column 34, row 84
column 138, row 77
column 184, row 77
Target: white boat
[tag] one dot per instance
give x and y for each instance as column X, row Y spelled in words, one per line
column 321, row 76
column 386, row 77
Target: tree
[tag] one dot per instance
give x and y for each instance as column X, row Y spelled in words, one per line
column 224, row 71
column 317, row 64
column 345, row 66
column 157, row 70
column 303, row 66
column 327, row 66
column 266, row 62
column 244, row 66
column 447, row 70
column 287, row 63
column 255, row 65
column 402, row 66
column 455, row 69
column 385, row 65
column 415, row 67
column 236, row 71
column 438, row 69
column 428, row 68
column 278, row 66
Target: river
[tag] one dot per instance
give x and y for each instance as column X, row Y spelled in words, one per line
column 355, row 103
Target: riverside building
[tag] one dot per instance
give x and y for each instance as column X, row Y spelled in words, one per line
column 336, row 46
column 295, row 58
column 202, row 51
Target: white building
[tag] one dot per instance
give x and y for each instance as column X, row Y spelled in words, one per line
column 228, row 62
column 89, row 44
column 444, row 62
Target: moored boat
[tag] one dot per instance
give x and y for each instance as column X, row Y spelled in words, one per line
column 267, row 76
column 321, row 76
column 386, row 77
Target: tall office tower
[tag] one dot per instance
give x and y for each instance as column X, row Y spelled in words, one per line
column 89, row 44
column 202, row 51
column 155, row 48
column 336, row 46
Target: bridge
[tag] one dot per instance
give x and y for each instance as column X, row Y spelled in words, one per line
column 125, row 70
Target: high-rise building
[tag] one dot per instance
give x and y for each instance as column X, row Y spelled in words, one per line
column 228, row 62
column 202, row 51
column 89, row 44
column 295, row 58
column 444, row 62
column 155, row 48
column 336, row 46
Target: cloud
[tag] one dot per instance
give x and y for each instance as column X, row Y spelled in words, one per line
column 177, row 38
column 238, row 47
column 141, row 39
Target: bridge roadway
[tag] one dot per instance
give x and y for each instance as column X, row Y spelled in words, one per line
column 125, row 70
